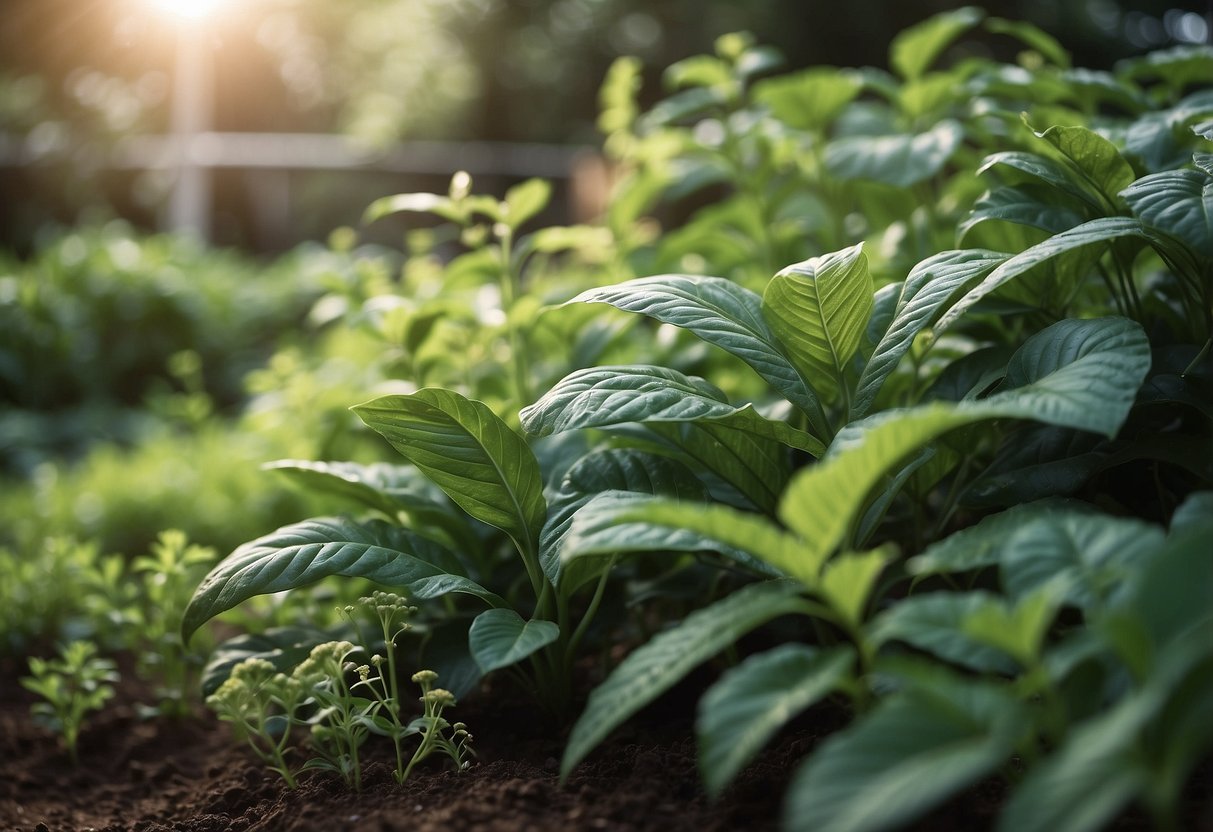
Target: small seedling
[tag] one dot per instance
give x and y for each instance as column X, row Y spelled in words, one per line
column 260, row 703
column 78, row 682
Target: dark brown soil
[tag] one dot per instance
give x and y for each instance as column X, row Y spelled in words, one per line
column 190, row 775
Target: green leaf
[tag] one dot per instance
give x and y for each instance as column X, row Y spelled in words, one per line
column 900, row 160
column 848, row 580
column 913, row 50
column 928, row 288
column 735, row 450
column 911, row 753
column 1092, row 553
column 1042, row 169
column 500, row 637
column 810, row 99
column 1098, row 231
column 721, row 313
column 1076, row 373
column 933, row 622
column 525, row 200
column 656, row 666
column 417, row 203
column 605, row 526
column 302, row 553
column 598, row 397
column 1097, row 159
column 819, row 309
column 1018, row 630
column 1023, row 205
column 981, row 545
column 741, row 712
column 1034, row 37
column 615, row 469
column 470, row 453
column 1178, row 203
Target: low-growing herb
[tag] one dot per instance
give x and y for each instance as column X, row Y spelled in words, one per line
column 76, row 683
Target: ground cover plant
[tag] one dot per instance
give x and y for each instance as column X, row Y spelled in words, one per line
column 878, row 398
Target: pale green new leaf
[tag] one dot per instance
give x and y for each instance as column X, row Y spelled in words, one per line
column 810, row 99
column 819, row 310
column 913, row 50
column 470, row 453
column 500, row 637
column 1178, row 203
column 900, row 159
column 302, row 553
column 911, row 753
column 848, row 580
column 525, row 200
column 417, row 203
column 720, row 312
column 658, row 665
column 741, row 712
column 928, row 288
column 1098, row 231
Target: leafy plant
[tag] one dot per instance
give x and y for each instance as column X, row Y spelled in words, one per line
column 263, row 704
column 74, row 684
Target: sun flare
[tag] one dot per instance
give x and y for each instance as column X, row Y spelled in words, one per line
column 190, row 9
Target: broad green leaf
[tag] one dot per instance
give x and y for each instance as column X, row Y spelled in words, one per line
column 847, row 583
column 369, row 485
column 1076, row 373
column 658, row 665
column 928, row 288
column 981, row 545
column 742, row 711
column 1178, row 66
column 1097, row 159
column 598, row 397
column 913, row 50
column 1039, row 168
column 388, row 488
column 302, row 553
column 605, row 526
column 1098, row 231
column 810, row 99
column 721, row 313
column 1178, row 203
column 1093, row 553
column 933, row 622
column 616, row 469
column 735, row 450
column 525, row 200
column 470, row 453
column 901, row 160
column 1081, row 374
column 1022, row 205
column 914, row 751
column 819, row 310
column 500, row 637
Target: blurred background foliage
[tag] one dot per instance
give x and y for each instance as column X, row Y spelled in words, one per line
column 78, row 75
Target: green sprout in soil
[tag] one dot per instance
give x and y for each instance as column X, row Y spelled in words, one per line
column 78, row 682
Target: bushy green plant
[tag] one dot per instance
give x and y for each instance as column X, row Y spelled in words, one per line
column 941, row 447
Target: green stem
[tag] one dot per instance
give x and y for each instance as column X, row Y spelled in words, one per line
column 590, row 612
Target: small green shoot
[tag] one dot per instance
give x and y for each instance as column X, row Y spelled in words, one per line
column 78, row 682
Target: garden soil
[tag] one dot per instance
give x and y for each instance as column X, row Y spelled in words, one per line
column 189, row 775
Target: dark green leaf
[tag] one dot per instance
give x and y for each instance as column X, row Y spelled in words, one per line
column 500, row 637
